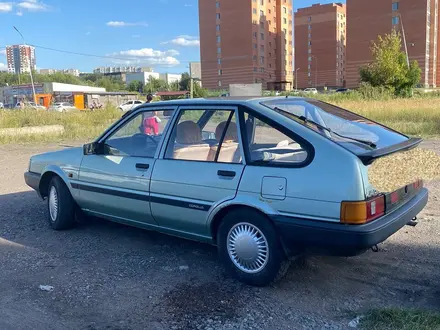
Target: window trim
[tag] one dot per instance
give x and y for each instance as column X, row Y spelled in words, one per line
column 180, row 109
column 121, row 122
column 281, row 128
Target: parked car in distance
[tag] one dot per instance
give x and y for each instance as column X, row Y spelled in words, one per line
column 310, row 91
column 129, row 105
column 342, row 90
column 264, row 179
column 62, row 107
column 29, row 105
column 1, row 105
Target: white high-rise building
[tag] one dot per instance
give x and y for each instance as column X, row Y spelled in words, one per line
column 21, row 58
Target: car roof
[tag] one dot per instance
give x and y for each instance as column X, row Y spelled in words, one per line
column 231, row 100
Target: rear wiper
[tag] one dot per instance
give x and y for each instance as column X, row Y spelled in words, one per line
column 305, row 120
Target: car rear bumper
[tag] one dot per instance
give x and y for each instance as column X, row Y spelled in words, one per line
column 346, row 240
column 32, row 180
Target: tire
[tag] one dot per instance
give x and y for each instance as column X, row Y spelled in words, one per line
column 275, row 263
column 61, row 216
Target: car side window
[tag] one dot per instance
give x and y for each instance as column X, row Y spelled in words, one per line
column 268, row 145
column 205, row 135
column 140, row 136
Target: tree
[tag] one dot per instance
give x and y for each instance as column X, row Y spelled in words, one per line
column 135, row 86
column 185, row 85
column 389, row 68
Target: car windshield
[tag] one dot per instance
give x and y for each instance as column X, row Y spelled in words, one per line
column 346, row 128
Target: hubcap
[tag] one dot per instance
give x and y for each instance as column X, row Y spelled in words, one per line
column 53, row 203
column 247, row 248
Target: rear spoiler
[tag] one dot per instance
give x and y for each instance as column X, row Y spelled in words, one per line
column 369, row 157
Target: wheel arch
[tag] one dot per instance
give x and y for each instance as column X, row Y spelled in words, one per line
column 47, row 175
column 220, row 211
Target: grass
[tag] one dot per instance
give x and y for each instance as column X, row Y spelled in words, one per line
column 80, row 125
column 418, row 116
column 400, row 319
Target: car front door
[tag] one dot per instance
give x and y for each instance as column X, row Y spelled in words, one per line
column 200, row 165
column 115, row 183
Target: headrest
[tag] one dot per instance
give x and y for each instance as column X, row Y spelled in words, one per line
column 231, row 133
column 188, row 132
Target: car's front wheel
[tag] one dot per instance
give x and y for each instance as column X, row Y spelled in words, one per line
column 60, row 204
column 250, row 248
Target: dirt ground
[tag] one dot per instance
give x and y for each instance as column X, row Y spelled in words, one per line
column 109, row 276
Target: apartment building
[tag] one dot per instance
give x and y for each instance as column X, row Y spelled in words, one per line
column 417, row 18
column 121, row 69
column 246, row 41
column 20, row 58
column 320, row 46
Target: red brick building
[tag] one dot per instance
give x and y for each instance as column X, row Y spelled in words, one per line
column 368, row 19
column 320, row 45
column 246, row 41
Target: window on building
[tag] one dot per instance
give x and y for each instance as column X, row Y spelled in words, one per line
column 218, row 15
column 309, row 74
column 219, row 50
column 310, row 43
column 254, row 22
column 309, row 27
column 310, row 18
column 262, row 2
column 395, row 6
column 285, row 20
column 261, row 69
column 395, row 20
column 254, row 58
column 219, row 83
column 285, row 10
column 218, row 39
column 262, row 48
column 309, row 66
column 310, row 58
column 337, row 64
column 285, row 32
column 219, row 61
column 217, row 4
column 270, row 11
column 270, row 54
column 310, row 35
column 255, row 69
column 255, row 34
column 255, row 46
column 270, row 65
column 261, row 13
column 220, row 72
column 254, row 11
column 310, row 51
column 261, row 59
column 262, row 25
column 218, row 27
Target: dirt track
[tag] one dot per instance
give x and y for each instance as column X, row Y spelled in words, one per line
column 109, row 276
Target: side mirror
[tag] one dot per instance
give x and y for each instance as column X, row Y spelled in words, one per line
column 94, row 148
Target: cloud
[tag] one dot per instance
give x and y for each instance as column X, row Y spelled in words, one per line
column 184, row 41
column 149, row 56
column 5, row 7
column 123, row 24
column 188, row 5
column 3, row 52
column 33, row 5
column 3, row 67
column 19, row 13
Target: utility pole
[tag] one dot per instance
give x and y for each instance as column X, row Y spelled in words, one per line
column 30, row 67
column 404, row 40
column 191, row 87
column 296, row 79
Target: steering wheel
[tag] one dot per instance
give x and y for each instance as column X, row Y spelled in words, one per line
column 145, row 136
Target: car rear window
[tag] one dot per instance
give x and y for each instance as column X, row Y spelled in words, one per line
column 343, row 124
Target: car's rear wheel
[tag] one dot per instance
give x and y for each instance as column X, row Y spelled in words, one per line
column 250, row 249
column 61, row 205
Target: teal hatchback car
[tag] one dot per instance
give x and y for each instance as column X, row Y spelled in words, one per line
column 263, row 179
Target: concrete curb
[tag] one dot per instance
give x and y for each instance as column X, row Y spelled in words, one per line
column 33, row 130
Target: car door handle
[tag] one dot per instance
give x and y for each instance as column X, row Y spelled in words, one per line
column 229, row 174
column 140, row 166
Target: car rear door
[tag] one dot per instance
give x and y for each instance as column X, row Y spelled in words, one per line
column 116, row 183
column 191, row 174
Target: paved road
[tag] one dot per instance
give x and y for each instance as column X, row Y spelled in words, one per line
column 109, row 276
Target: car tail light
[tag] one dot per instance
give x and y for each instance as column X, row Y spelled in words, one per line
column 364, row 211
